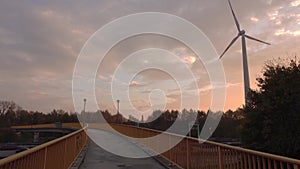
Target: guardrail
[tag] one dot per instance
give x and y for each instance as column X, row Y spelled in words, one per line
column 190, row 154
column 56, row 154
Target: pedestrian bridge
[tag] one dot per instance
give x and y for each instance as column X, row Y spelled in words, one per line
column 188, row 153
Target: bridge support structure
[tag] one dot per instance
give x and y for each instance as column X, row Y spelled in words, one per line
column 36, row 136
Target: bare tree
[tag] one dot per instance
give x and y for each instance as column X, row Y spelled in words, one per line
column 8, row 106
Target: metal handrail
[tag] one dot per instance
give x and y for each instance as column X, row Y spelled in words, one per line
column 254, row 152
column 16, row 160
column 186, row 154
column 220, row 153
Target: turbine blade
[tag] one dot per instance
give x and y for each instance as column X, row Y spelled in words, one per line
column 235, row 19
column 231, row 43
column 249, row 37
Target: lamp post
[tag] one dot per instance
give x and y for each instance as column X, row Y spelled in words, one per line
column 118, row 110
column 118, row 118
column 84, row 103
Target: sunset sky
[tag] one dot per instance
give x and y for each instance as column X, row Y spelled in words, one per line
column 41, row 40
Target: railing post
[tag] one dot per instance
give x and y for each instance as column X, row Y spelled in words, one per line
column 296, row 166
column 188, row 156
column 220, row 157
column 65, row 155
column 45, row 156
column 170, row 152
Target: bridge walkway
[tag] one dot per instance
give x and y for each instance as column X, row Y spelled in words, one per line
column 96, row 157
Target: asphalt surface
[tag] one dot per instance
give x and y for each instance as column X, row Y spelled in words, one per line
column 98, row 158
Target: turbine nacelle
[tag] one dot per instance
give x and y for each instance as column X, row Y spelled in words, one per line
column 242, row 32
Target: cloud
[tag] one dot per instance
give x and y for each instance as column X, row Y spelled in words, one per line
column 40, row 42
column 287, row 32
column 295, row 3
column 185, row 55
column 102, row 77
column 141, row 104
column 136, row 84
column 254, row 19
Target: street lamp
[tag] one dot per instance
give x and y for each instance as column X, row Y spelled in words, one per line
column 118, row 110
column 84, row 103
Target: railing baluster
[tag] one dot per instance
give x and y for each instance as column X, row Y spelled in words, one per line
column 253, row 162
column 264, row 163
column 281, row 165
column 249, row 161
column 230, row 159
column 188, row 159
column 220, row 158
column 202, row 156
column 245, row 161
column 239, row 164
column 269, row 164
column 233, row 159
column 258, row 162
column 211, row 158
column 275, row 164
column 236, row 161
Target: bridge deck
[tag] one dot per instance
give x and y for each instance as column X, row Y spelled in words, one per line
column 97, row 157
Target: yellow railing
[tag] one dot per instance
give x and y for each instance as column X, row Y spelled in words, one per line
column 57, row 154
column 190, row 154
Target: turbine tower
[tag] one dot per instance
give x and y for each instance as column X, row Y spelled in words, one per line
column 242, row 33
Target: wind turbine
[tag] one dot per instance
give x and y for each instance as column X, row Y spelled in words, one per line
column 242, row 33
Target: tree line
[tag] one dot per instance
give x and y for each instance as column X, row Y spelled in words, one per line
column 12, row 114
column 229, row 126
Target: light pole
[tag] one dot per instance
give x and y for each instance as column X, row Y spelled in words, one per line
column 118, row 118
column 84, row 103
column 118, row 110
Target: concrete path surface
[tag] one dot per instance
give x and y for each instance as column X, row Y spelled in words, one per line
column 98, row 158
